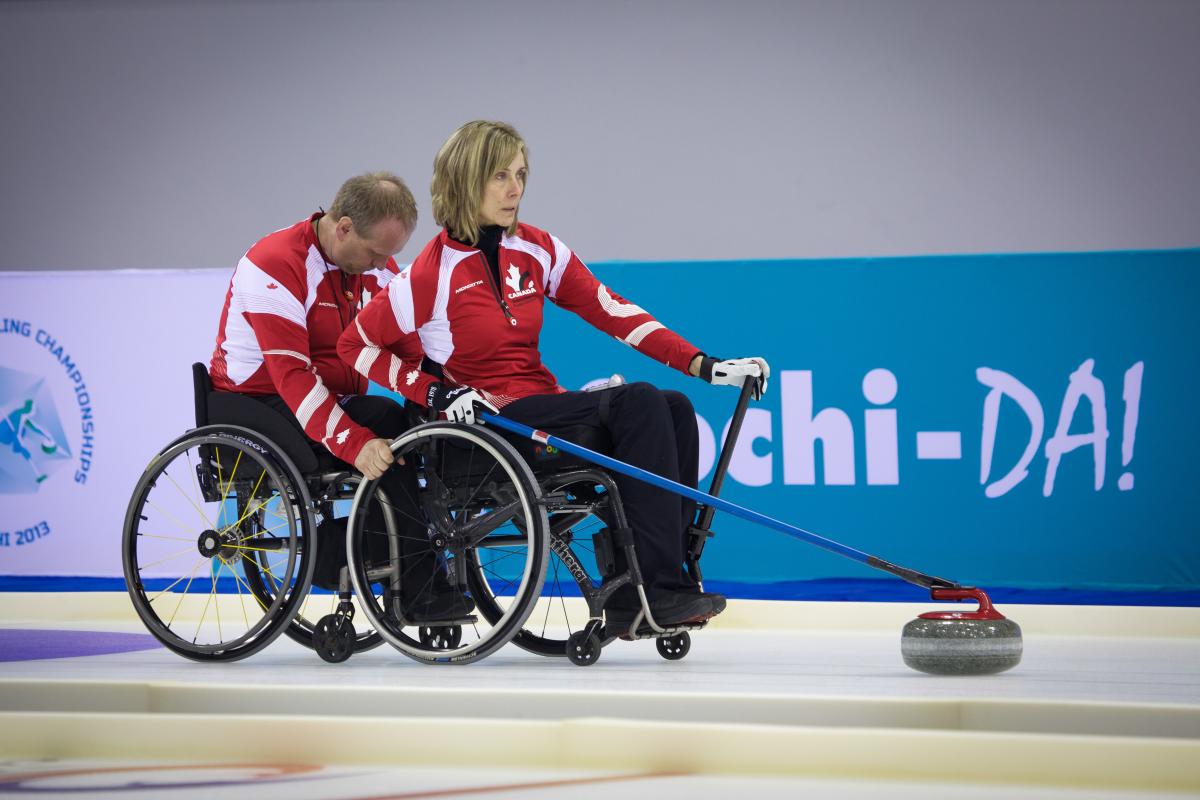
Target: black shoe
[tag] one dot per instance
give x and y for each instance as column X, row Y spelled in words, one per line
column 718, row 600
column 669, row 609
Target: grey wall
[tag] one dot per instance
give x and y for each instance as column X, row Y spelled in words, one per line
column 174, row 134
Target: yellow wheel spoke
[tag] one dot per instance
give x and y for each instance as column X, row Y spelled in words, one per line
column 284, row 524
column 257, row 599
column 169, row 516
column 207, row 521
column 232, row 475
column 183, row 594
column 256, row 549
column 255, row 509
column 241, row 598
column 166, row 538
column 176, row 554
column 207, row 603
column 275, row 577
column 174, row 583
column 215, row 578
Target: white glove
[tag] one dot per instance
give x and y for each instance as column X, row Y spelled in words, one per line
column 735, row 371
column 458, row 403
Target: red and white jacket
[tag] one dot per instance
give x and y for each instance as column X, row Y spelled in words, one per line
column 285, row 309
column 447, row 306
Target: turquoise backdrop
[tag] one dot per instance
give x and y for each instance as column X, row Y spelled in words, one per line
column 937, row 325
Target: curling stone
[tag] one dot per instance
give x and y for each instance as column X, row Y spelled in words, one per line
column 980, row 642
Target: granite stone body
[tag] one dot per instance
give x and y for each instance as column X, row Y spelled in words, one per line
column 961, row 646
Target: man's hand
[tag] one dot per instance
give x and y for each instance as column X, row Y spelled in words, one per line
column 374, row 459
column 735, row 371
column 458, row 403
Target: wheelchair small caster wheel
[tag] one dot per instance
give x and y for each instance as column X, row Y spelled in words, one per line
column 583, row 648
column 674, row 647
column 333, row 638
column 441, row 637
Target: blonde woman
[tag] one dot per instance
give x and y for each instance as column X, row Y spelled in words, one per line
column 473, row 300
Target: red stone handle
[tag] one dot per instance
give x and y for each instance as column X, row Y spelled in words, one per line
column 985, row 610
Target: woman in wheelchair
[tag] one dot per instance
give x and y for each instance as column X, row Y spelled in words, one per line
column 472, row 302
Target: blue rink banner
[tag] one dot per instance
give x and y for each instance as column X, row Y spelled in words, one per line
column 1022, row 422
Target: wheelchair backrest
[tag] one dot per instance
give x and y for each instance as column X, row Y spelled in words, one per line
column 201, row 387
column 215, row 407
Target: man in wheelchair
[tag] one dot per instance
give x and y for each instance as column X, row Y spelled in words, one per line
column 290, row 298
column 472, row 302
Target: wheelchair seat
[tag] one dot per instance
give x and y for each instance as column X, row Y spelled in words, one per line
column 231, row 408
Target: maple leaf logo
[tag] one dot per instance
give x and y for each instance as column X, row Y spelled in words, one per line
column 411, row 377
column 514, row 279
column 272, row 286
column 341, row 437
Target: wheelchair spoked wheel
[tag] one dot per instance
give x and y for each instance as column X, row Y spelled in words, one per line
column 475, row 505
column 560, row 611
column 217, row 512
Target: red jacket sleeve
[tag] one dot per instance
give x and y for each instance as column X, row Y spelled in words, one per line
column 270, row 298
column 573, row 287
column 382, row 342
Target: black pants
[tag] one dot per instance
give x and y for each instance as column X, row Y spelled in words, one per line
column 385, row 418
column 651, row 429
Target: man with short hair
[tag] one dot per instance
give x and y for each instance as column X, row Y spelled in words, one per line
column 291, row 296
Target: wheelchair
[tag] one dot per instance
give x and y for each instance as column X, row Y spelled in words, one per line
column 227, row 524
column 520, row 528
column 227, row 527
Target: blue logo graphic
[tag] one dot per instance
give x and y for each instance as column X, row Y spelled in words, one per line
column 32, row 442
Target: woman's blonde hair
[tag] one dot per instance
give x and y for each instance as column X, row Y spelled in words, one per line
column 463, row 166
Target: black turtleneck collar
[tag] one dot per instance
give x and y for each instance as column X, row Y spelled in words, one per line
column 489, row 235
column 489, row 245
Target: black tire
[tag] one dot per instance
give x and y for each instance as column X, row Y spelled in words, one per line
column 479, row 505
column 583, row 648
column 559, row 612
column 228, row 498
column 673, row 648
column 333, row 638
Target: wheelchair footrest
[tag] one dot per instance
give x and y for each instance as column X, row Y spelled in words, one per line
column 644, row 631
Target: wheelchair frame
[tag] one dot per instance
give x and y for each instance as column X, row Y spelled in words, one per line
column 551, row 506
